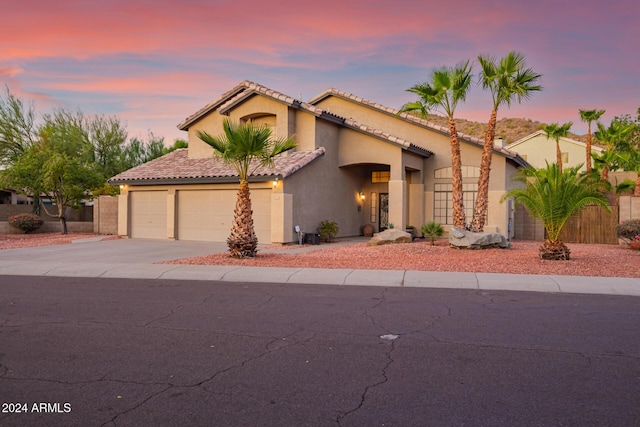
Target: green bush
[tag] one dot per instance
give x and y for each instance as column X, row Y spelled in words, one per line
column 432, row 229
column 25, row 222
column 328, row 230
column 628, row 230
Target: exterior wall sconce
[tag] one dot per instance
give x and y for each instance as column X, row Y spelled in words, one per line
column 361, row 195
column 275, row 182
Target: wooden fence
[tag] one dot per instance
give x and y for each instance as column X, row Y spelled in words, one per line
column 591, row 225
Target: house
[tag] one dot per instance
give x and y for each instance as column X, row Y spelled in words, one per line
column 357, row 162
column 537, row 149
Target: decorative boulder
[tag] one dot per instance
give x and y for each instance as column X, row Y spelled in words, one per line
column 391, row 235
column 464, row 239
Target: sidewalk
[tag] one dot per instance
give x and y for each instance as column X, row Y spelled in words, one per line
column 138, row 258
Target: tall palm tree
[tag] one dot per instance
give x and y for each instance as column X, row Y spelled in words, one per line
column 589, row 116
column 447, row 86
column 553, row 195
column 611, row 136
column 245, row 147
column 555, row 131
column 507, row 80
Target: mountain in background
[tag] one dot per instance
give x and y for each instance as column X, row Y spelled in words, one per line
column 508, row 129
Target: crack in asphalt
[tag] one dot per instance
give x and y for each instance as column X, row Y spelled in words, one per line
column 369, row 387
column 268, row 350
column 166, row 316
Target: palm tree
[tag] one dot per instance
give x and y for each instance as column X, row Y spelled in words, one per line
column 590, row 116
column 245, row 147
column 611, row 136
column 630, row 161
column 555, row 131
column 507, row 80
column 552, row 196
column 446, row 87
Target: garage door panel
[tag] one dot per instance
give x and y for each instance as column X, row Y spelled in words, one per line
column 207, row 215
column 148, row 214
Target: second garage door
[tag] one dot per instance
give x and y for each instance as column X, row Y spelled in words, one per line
column 207, row 215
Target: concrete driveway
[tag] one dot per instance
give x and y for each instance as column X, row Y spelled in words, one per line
column 127, row 251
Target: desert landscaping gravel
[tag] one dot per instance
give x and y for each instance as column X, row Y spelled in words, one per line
column 522, row 258
column 15, row 241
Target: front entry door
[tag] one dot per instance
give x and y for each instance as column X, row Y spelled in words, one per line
column 383, row 224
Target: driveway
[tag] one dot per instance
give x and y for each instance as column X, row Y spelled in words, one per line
column 126, row 251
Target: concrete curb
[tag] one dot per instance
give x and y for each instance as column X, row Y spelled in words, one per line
column 337, row 277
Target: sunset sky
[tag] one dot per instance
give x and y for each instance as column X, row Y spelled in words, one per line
column 154, row 62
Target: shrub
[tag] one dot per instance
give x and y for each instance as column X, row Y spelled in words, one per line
column 25, row 222
column 628, row 230
column 328, row 230
column 432, row 229
column 635, row 244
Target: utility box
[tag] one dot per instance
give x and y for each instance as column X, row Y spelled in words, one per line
column 312, row 238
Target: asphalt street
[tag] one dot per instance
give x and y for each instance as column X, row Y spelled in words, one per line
column 127, row 352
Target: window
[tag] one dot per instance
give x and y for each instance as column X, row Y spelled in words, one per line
column 380, row 176
column 374, row 208
column 443, row 202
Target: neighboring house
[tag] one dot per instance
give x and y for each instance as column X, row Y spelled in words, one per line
column 537, row 149
column 356, row 163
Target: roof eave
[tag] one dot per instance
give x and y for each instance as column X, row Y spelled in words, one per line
column 198, row 180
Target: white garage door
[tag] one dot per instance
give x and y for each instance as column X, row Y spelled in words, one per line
column 207, row 215
column 148, row 214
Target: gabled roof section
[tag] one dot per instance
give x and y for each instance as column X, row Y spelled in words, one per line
column 414, row 119
column 563, row 139
column 178, row 168
column 247, row 89
column 239, row 94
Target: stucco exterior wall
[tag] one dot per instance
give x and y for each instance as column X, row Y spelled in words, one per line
column 324, row 191
column 538, row 150
column 439, row 144
column 212, row 124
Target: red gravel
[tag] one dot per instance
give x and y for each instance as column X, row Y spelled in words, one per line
column 522, row 258
column 14, row 241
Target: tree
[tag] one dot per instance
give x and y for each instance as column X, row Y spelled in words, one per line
column 57, row 167
column 447, row 86
column 614, row 138
column 245, row 147
column 630, row 161
column 589, row 116
column 507, row 80
column 107, row 136
column 555, row 131
column 178, row 143
column 137, row 151
column 17, row 128
column 553, row 196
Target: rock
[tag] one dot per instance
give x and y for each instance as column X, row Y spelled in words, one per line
column 391, row 235
column 461, row 238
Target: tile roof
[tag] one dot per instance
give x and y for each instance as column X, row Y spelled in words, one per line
column 239, row 93
column 178, row 167
column 246, row 89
